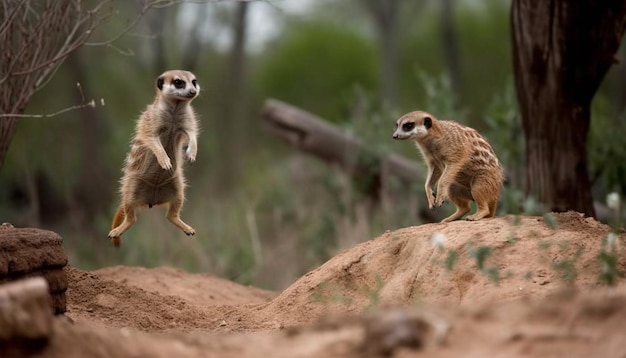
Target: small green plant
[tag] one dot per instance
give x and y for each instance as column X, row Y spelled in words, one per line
column 608, row 258
column 567, row 268
column 480, row 254
column 608, row 255
column 550, row 221
column 451, row 259
column 373, row 294
column 327, row 293
column 438, row 240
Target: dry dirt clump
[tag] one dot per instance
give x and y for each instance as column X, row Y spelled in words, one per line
column 28, row 253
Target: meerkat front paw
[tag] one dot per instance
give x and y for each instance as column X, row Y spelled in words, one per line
column 439, row 200
column 165, row 162
column 114, row 234
column 191, row 155
column 189, row 231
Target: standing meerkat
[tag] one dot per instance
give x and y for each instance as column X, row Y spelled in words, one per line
column 153, row 172
column 460, row 162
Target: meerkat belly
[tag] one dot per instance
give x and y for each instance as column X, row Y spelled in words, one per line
column 147, row 180
column 152, row 195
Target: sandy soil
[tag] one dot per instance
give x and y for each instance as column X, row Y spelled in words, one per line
column 537, row 295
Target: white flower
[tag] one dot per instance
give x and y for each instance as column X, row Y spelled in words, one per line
column 438, row 239
column 611, row 239
column 613, row 201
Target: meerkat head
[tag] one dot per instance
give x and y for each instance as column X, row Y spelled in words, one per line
column 413, row 125
column 178, row 85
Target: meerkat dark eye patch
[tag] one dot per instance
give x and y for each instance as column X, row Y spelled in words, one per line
column 178, row 83
column 428, row 122
column 160, row 81
column 408, row 126
column 195, row 83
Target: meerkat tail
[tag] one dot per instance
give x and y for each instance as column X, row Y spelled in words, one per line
column 117, row 220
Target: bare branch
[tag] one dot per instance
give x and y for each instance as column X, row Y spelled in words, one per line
column 91, row 104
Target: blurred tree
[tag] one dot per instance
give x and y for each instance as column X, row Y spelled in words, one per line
column 94, row 188
column 562, row 50
column 191, row 53
column 156, row 22
column 385, row 14
column 451, row 51
column 235, row 95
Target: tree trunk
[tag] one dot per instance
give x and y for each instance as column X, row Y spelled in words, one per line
column 234, row 103
column 193, row 52
column 385, row 14
column 562, row 50
column 157, row 20
column 451, row 52
column 7, row 131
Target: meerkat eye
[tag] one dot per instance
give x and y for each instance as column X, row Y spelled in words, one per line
column 195, row 83
column 428, row 122
column 408, row 126
column 178, row 83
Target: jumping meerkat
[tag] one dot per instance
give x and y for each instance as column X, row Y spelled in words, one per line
column 153, row 171
column 460, row 163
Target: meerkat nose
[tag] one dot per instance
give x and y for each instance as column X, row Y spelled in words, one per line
column 193, row 92
column 395, row 136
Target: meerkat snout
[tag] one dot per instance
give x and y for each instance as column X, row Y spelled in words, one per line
column 409, row 128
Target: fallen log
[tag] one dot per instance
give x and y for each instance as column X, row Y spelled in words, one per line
column 313, row 135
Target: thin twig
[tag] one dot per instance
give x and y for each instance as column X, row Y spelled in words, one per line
column 91, row 104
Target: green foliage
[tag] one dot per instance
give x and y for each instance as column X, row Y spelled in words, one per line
column 607, row 153
column 550, row 221
column 567, row 268
column 316, row 65
column 483, row 38
column 451, row 259
column 480, row 254
column 609, row 258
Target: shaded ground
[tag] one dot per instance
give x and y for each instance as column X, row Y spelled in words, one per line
column 514, row 306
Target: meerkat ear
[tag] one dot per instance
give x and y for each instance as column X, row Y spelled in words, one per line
column 428, row 122
column 159, row 83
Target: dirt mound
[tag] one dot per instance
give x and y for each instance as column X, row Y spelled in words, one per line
column 469, row 274
column 96, row 300
column 198, row 289
column 523, row 256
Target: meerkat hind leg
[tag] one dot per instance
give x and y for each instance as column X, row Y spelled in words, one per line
column 484, row 202
column 173, row 215
column 461, row 200
column 129, row 219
